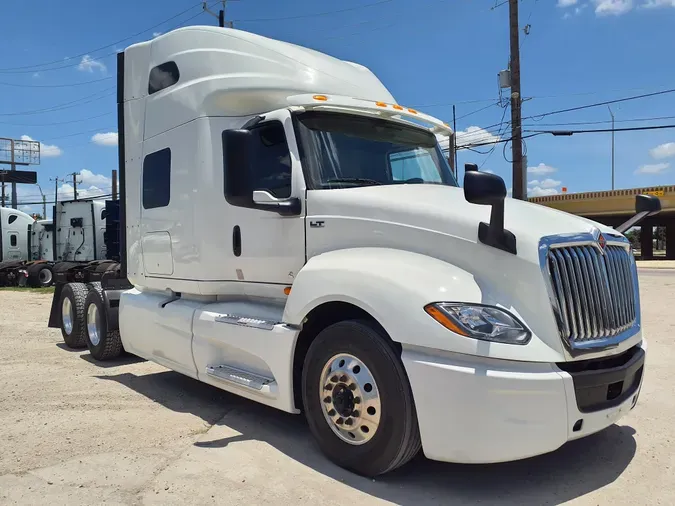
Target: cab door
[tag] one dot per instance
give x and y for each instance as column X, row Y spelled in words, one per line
column 266, row 200
column 13, row 247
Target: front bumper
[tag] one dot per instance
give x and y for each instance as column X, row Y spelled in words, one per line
column 478, row 410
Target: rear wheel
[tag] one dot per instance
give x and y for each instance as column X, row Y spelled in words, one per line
column 103, row 344
column 72, row 300
column 40, row 276
column 357, row 399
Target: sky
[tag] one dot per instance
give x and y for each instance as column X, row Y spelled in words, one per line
column 57, row 85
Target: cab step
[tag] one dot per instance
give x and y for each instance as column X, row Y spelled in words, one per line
column 239, row 377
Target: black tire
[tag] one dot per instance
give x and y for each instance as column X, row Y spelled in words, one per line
column 40, row 275
column 109, row 344
column 76, row 293
column 397, row 439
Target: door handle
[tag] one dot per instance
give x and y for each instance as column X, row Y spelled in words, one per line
column 236, row 240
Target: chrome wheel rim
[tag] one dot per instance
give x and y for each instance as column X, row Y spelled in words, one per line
column 67, row 315
column 350, row 399
column 93, row 324
column 45, row 276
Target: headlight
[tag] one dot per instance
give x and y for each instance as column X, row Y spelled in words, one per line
column 487, row 323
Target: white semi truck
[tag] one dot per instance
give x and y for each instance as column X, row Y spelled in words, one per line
column 17, row 249
column 37, row 251
column 293, row 235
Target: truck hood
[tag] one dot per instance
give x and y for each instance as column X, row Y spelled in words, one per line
column 444, row 210
column 437, row 221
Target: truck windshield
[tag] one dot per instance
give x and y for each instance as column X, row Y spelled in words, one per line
column 340, row 150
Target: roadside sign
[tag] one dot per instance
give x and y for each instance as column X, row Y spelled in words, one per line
column 656, row 193
column 18, row 176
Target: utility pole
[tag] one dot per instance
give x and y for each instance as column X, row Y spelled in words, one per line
column 13, row 167
column 56, row 192
column 75, row 183
column 221, row 15
column 612, row 114
column 114, row 184
column 44, row 202
column 3, row 190
column 519, row 176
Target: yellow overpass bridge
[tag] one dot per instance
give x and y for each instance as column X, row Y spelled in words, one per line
column 616, row 206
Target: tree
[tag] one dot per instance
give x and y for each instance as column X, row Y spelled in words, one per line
column 633, row 236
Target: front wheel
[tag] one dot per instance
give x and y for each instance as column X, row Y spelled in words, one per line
column 357, row 399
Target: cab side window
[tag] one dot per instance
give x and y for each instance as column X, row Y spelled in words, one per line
column 269, row 168
column 271, row 161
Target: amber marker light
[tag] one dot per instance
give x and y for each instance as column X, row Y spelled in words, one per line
column 443, row 319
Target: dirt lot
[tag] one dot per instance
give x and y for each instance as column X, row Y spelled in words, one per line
column 130, row 432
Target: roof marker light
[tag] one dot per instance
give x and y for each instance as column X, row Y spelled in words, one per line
column 413, row 111
column 321, row 98
column 397, row 107
column 380, row 104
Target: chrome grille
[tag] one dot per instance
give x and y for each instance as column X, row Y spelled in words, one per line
column 593, row 290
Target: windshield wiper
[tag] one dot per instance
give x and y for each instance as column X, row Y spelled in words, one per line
column 354, row 180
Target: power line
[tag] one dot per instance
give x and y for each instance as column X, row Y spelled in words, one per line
column 476, row 111
column 499, row 134
column 51, row 139
column 600, row 130
column 598, row 104
column 68, row 85
column 599, row 122
column 34, row 67
column 66, row 105
column 501, row 141
column 35, row 125
column 301, row 16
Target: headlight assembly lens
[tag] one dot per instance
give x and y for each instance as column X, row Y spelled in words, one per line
column 487, row 323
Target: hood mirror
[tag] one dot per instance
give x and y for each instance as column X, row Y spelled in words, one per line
column 645, row 205
column 487, row 189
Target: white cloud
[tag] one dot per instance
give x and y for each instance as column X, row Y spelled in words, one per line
column 66, row 192
column 661, row 151
column 566, row 3
column 654, row 168
column 542, row 168
column 46, row 150
column 475, row 135
column 538, row 191
column 579, row 10
column 536, row 188
column 105, row 139
column 88, row 64
column 655, row 4
column 546, row 183
column 612, row 7
column 156, row 34
column 88, row 178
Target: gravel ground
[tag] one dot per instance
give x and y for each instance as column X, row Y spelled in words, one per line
column 73, row 431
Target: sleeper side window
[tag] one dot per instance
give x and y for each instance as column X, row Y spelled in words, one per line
column 157, row 179
column 162, row 76
column 12, row 240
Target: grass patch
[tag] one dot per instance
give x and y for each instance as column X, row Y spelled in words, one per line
column 49, row 289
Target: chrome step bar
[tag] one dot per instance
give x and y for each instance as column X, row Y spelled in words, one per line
column 242, row 378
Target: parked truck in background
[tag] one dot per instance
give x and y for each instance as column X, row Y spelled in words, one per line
column 42, row 240
column 35, row 251
column 293, row 235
